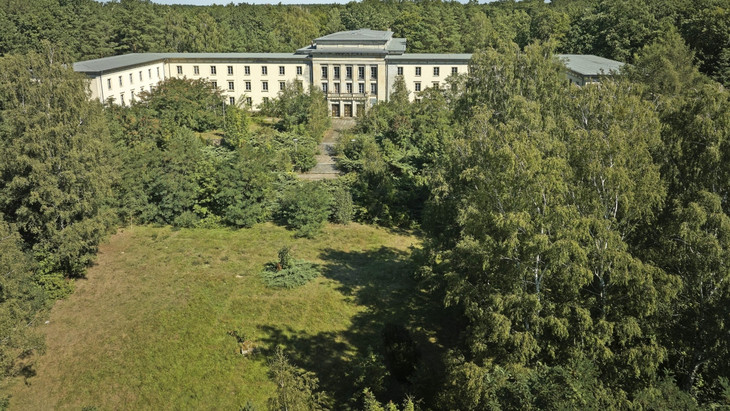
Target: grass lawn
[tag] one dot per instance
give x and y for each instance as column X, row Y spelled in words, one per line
column 148, row 327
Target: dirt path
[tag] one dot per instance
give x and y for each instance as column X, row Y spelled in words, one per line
column 326, row 167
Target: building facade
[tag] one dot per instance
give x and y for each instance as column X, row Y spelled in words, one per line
column 355, row 69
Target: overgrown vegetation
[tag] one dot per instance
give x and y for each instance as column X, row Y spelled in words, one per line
column 288, row 272
column 578, row 237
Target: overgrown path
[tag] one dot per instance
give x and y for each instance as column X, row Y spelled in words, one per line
column 326, row 167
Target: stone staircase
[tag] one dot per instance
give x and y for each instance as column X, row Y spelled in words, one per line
column 326, row 168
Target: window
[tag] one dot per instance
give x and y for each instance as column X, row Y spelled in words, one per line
column 324, row 87
column 230, row 70
column 120, row 81
column 131, row 78
column 400, row 71
column 109, row 83
column 158, row 72
column 361, row 88
column 149, row 73
column 299, row 70
column 141, row 89
column 265, row 86
column 348, row 72
column 179, row 70
column 373, row 72
column 282, row 85
column 131, row 97
column 196, row 70
column 121, row 98
column 282, row 70
column 373, row 88
column 249, row 101
column 361, row 73
column 230, row 85
column 436, row 71
column 140, row 75
column 418, row 71
column 418, row 86
column 454, row 70
column 248, row 86
column 337, row 88
column 214, row 84
column 212, row 70
column 266, row 99
column 264, row 70
column 247, row 70
column 435, row 84
column 232, row 101
column 348, row 88
column 337, row 73
column 324, row 71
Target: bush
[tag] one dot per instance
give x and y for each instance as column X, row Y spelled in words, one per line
column 288, row 272
column 342, row 209
column 305, row 207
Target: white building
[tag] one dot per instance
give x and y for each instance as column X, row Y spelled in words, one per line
column 355, row 69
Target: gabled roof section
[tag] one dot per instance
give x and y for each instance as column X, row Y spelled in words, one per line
column 590, row 65
column 117, row 62
column 114, row 63
column 362, row 36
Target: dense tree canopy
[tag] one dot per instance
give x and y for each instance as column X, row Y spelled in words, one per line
column 577, row 238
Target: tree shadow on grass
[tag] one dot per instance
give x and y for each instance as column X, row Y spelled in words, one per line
column 380, row 280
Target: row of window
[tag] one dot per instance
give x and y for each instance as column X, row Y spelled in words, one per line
column 348, row 88
column 131, row 78
column 247, row 85
column 249, row 101
column 417, row 85
column 132, row 95
column 436, row 71
column 336, row 71
column 246, row 70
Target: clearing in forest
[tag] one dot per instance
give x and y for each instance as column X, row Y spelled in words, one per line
column 149, row 326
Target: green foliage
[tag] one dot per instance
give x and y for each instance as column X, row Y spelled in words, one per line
column 296, row 389
column 288, row 272
column 22, row 302
column 55, row 172
column 236, row 126
column 305, row 207
column 299, row 112
column 187, row 103
column 342, row 207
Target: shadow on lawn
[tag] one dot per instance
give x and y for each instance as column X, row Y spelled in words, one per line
column 382, row 281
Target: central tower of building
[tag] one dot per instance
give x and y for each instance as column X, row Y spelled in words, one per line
column 350, row 67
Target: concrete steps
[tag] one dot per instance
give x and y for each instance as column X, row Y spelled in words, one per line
column 326, row 167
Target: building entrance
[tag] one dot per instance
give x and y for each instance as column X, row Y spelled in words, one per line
column 348, row 110
column 335, row 110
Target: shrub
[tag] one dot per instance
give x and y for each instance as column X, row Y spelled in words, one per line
column 288, row 272
column 305, row 207
column 341, row 209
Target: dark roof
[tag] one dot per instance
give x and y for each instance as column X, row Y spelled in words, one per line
column 356, row 36
column 117, row 62
column 135, row 59
column 590, row 65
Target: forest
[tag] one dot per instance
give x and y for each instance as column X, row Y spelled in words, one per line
column 579, row 238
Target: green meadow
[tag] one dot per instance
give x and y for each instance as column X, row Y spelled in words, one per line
column 149, row 325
